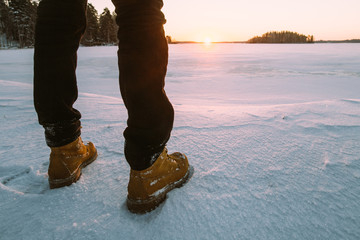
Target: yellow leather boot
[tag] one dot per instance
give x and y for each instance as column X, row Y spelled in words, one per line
column 67, row 161
column 148, row 188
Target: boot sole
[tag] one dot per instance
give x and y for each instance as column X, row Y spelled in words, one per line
column 73, row 178
column 148, row 205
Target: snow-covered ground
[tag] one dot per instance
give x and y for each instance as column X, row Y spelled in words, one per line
column 273, row 132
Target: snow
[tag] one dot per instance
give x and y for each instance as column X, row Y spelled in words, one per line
column 272, row 131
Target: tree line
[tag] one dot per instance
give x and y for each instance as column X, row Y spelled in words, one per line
column 282, row 37
column 101, row 29
column 17, row 23
column 339, row 41
column 18, row 18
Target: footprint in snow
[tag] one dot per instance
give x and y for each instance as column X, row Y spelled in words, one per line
column 23, row 180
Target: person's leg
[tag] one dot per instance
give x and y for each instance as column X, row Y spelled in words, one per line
column 143, row 56
column 59, row 27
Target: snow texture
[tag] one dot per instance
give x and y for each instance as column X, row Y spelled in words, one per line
column 273, row 132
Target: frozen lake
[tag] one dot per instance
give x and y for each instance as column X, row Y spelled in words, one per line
column 273, row 132
column 223, row 73
column 243, row 73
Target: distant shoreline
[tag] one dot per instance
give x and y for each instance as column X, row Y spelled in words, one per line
column 246, row 42
column 222, row 42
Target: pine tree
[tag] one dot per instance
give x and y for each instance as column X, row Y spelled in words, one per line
column 107, row 27
column 116, row 27
column 4, row 12
column 91, row 36
column 23, row 16
column 5, row 24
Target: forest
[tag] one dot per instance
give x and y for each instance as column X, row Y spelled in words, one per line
column 18, row 18
column 282, row 37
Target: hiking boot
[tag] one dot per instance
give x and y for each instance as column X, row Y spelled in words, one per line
column 148, row 188
column 67, row 161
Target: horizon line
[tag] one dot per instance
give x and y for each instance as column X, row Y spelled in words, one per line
column 246, row 41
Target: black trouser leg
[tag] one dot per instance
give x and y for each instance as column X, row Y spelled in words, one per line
column 143, row 56
column 59, row 27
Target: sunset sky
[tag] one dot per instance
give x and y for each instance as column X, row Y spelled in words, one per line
column 239, row 20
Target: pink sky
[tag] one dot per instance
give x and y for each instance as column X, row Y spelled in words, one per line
column 231, row 20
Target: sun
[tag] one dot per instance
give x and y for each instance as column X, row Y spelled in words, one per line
column 207, row 41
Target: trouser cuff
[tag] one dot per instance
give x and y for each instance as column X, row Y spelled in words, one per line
column 60, row 134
